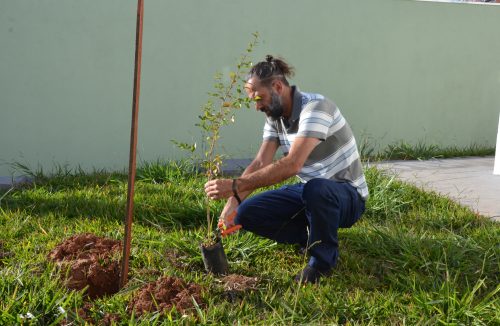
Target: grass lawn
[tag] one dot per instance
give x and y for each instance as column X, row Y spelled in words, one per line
column 415, row 258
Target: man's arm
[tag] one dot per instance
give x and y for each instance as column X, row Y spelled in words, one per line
column 263, row 158
column 266, row 175
column 282, row 169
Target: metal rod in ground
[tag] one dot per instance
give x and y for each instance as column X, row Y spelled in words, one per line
column 133, row 145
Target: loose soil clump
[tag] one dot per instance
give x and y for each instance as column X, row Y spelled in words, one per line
column 90, row 261
column 164, row 294
column 239, row 283
column 236, row 285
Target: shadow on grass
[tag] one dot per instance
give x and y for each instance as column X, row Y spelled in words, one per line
column 161, row 204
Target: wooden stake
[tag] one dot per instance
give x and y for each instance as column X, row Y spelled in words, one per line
column 133, row 145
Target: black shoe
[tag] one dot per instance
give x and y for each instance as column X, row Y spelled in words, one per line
column 310, row 275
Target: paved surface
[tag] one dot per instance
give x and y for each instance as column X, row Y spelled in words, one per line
column 7, row 183
column 469, row 181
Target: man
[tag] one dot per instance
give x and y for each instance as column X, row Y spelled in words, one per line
column 318, row 147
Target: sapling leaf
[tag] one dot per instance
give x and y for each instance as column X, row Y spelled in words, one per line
column 185, row 146
column 218, row 111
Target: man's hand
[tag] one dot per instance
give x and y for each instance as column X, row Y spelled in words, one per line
column 219, row 188
column 226, row 219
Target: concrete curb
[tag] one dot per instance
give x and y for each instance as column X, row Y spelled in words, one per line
column 7, row 183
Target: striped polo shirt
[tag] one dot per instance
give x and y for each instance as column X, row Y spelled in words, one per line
column 336, row 157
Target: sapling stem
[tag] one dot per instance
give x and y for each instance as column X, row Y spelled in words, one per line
column 218, row 112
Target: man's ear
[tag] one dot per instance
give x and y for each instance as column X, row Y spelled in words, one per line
column 278, row 86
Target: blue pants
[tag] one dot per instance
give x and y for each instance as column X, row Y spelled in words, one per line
column 284, row 215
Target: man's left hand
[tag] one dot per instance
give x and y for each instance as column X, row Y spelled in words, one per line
column 219, row 188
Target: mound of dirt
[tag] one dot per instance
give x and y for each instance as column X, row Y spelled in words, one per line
column 83, row 246
column 89, row 261
column 164, row 294
column 239, row 283
column 236, row 285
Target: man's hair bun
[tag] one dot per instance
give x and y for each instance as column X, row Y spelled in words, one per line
column 272, row 68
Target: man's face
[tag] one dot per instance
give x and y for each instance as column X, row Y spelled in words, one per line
column 266, row 99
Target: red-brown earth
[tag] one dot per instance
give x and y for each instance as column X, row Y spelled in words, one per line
column 164, row 294
column 88, row 260
column 91, row 261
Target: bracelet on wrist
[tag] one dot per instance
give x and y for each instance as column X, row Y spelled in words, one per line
column 235, row 191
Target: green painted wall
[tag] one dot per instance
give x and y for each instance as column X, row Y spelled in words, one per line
column 398, row 70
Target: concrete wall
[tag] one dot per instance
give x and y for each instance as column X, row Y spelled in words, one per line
column 398, row 69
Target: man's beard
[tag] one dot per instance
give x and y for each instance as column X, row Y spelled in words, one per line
column 275, row 109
